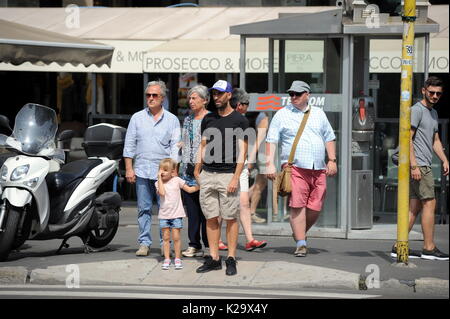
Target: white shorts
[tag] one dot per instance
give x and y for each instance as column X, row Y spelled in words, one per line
column 243, row 180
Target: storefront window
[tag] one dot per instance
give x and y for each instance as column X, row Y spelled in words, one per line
column 317, row 62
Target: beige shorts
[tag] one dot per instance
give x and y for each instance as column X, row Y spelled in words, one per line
column 215, row 201
column 423, row 189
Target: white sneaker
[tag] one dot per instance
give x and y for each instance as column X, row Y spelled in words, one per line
column 258, row 220
column 166, row 264
column 178, row 264
column 142, row 251
column 192, row 252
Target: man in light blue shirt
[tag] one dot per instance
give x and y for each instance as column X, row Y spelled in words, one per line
column 152, row 135
column 309, row 169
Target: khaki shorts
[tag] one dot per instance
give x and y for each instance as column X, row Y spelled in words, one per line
column 423, row 189
column 214, row 198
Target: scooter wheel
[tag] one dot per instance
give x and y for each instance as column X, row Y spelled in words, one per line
column 99, row 239
column 8, row 235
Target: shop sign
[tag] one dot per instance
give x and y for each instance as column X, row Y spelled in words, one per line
column 384, row 58
column 229, row 62
column 275, row 102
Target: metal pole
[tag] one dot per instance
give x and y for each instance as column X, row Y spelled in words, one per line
column 271, row 64
column 408, row 18
column 346, row 133
column 281, row 65
column 242, row 63
column 144, row 84
column 426, row 67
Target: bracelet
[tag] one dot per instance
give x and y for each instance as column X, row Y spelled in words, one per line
column 332, row 160
column 413, row 167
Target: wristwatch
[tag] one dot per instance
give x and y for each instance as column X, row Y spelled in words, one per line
column 332, row 160
column 413, row 167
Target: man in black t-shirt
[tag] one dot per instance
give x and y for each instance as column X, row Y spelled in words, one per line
column 223, row 150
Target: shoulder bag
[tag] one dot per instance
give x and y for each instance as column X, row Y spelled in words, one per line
column 283, row 181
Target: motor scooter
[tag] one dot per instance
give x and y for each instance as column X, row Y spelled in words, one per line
column 43, row 198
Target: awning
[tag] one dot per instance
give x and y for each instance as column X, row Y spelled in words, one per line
column 325, row 22
column 20, row 43
column 155, row 41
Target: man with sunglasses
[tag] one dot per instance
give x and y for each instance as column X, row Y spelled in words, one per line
column 152, row 135
column 425, row 140
column 309, row 170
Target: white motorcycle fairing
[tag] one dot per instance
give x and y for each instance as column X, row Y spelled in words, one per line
column 19, row 193
column 91, row 182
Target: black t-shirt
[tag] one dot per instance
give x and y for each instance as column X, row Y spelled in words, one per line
column 222, row 134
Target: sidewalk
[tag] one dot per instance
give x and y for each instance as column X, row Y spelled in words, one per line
column 330, row 264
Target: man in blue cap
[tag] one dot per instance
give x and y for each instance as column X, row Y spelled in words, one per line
column 223, row 149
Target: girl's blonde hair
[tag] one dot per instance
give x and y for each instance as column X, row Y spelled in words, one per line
column 168, row 163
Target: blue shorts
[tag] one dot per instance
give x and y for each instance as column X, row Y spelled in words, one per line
column 171, row 223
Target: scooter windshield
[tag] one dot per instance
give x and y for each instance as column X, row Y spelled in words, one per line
column 35, row 128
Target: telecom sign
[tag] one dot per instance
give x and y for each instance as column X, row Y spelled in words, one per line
column 274, row 102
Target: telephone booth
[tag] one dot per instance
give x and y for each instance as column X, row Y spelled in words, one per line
column 329, row 49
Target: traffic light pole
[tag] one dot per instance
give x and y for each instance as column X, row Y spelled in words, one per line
column 409, row 17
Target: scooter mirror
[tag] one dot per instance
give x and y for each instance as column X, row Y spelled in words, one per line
column 66, row 135
column 4, row 122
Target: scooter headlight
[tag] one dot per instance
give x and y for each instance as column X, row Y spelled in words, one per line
column 32, row 182
column 4, row 173
column 20, row 172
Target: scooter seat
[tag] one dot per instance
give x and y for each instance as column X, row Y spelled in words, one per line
column 70, row 172
column 62, row 184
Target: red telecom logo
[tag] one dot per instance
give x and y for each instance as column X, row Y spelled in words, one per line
column 268, row 102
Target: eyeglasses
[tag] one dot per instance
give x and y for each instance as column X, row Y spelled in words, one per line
column 438, row 94
column 153, row 95
column 297, row 94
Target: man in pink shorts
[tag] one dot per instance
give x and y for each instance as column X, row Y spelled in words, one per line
column 309, row 167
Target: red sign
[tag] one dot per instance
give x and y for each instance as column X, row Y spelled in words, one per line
column 268, row 102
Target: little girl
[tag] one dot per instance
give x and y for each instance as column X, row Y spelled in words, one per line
column 171, row 210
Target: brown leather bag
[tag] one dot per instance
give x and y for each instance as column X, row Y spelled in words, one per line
column 283, row 181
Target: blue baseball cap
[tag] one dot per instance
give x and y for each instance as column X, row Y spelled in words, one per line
column 222, row 86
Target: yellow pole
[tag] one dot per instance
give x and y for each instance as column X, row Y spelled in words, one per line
column 409, row 16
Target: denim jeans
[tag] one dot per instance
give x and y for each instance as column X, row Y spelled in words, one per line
column 146, row 196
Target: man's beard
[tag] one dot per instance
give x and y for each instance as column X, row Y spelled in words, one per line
column 221, row 106
column 432, row 104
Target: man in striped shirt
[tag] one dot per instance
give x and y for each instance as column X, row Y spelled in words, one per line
column 309, row 170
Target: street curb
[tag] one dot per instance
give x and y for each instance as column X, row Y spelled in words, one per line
column 270, row 275
column 13, row 275
column 428, row 284
column 148, row 272
column 420, row 285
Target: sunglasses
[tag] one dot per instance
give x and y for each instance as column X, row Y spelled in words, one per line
column 297, row 94
column 438, row 94
column 153, row 95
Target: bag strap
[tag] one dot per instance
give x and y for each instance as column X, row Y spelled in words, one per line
column 297, row 137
